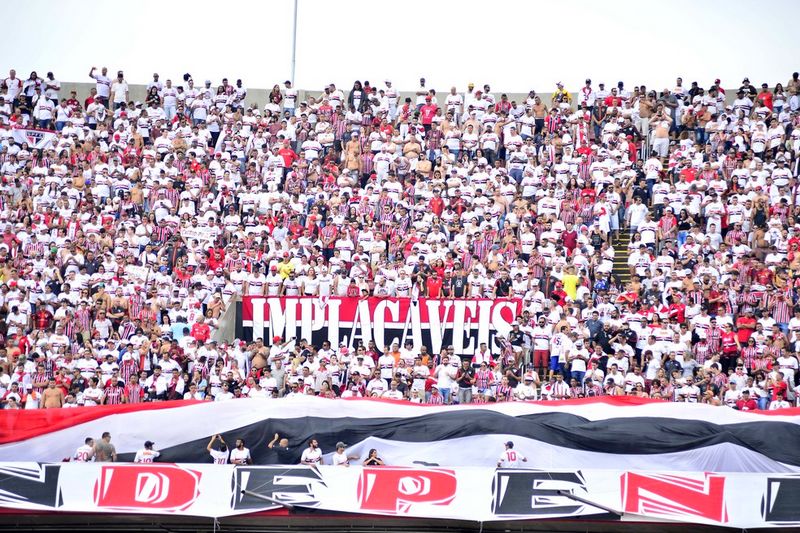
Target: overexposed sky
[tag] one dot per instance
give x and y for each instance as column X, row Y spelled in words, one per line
column 513, row 45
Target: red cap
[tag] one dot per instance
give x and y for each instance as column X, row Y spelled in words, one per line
column 276, row 338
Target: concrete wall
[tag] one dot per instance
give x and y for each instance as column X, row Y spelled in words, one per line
column 259, row 96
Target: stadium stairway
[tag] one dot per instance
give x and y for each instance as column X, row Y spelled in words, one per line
column 620, row 244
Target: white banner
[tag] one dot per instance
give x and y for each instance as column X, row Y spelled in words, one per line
column 201, row 234
column 476, row 494
column 139, row 273
column 34, row 137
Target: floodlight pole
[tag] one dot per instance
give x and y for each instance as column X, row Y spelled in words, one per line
column 294, row 40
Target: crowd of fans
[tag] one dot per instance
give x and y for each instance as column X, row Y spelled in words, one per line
column 124, row 240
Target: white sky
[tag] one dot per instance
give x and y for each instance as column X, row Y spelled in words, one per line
column 513, row 45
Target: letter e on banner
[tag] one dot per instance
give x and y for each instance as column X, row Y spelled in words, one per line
column 675, row 496
column 396, row 490
column 780, row 503
column 134, row 487
column 539, row 494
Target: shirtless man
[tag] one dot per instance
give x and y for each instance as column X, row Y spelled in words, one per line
column 118, row 307
column 260, row 358
column 661, row 122
column 52, row 396
column 102, row 298
column 539, row 113
column 104, row 451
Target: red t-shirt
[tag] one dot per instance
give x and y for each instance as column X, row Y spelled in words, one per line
column 780, row 387
column 764, row 276
column 437, row 206
column 766, row 97
column 353, row 291
column 747, row 405
column 289, row 156
column 570, row 239
column 427, row 112
column 689, row 173
column 744, row 333
column 678, row 312
column 201, row 332
column 434, row 287
column 713, row 308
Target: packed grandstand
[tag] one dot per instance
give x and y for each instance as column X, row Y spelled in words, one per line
column 650, row 237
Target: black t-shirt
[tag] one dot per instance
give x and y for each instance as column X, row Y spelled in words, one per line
column 514, row 375
column 285, row 456
column 459, row 285
column 503, row 287
column 464, row 377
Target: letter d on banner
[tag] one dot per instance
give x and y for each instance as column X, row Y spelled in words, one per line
column 395, row 490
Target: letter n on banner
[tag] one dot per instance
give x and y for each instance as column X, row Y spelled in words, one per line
column 675, row 496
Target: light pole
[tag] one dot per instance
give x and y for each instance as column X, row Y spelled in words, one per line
column 294, row 40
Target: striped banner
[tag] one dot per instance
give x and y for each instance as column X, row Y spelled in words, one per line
column 616, row 432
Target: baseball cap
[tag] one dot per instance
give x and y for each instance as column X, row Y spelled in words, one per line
column 276, row 338
column 149, row 443
column 341, row 444
column 510, row 444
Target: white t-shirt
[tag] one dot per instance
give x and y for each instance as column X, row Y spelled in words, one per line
column 311, row 456
column 511, row 458
column 340, row 459
column 220, row 457
column 103, row 86
column 146, row 456
column 84, row 454
column 240, row 456
column 120, row 90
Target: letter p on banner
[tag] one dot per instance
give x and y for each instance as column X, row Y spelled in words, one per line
column 396, row 490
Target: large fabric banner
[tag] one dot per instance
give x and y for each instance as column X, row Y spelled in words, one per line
column 35, row 138
column 476, row 494
column 434, row 323
column 615, row 432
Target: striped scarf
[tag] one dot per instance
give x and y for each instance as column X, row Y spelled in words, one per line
column 83, row 319
column 128, row 330
column 135, row 393
column 435, row 399
column 749, row 355
column 504, row 391
column 113, row 394
column 136, row 304
column 128, row 368
column 567, row 215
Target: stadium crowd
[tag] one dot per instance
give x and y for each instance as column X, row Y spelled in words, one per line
column 125, row 238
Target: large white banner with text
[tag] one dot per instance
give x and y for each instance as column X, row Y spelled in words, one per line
column 476, row 494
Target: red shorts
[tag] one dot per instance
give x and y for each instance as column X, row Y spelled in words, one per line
column 541, row 358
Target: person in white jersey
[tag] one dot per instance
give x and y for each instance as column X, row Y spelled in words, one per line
column 340, row 458
column 240, row 455
column 312, row 455
column 147, row 454
column 85, row 453
column 510, row 458
column 220, row 456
